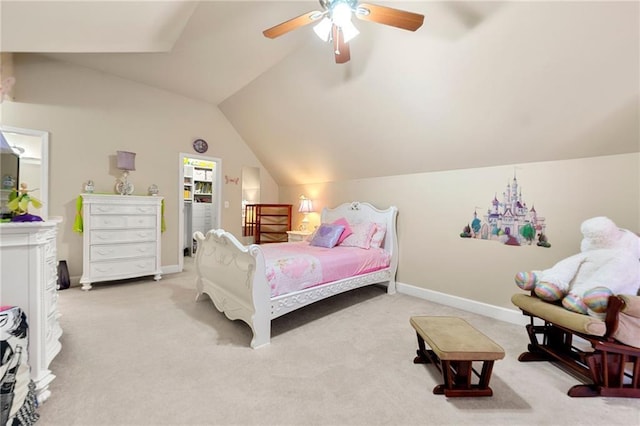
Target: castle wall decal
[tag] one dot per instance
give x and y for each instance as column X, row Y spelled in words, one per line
column 509, row 221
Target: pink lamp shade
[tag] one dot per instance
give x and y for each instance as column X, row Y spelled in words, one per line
column 126, row 160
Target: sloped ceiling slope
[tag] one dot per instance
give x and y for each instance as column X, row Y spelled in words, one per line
column 91, row 26
column 480, row 84
column 220, row 49
column 533, row 81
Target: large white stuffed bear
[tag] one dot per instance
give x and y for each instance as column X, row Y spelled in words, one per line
column 608, row 263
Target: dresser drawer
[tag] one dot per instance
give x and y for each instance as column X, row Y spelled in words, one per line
column 122, row 236
column 114, row 222
column 123, row 268
column 99, row 209
column 119, row 251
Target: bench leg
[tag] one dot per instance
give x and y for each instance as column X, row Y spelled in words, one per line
column 456, row 374
column 457, row 379
column 424, row 355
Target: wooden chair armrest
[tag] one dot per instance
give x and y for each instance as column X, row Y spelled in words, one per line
column 622, row 320
column 614, row 305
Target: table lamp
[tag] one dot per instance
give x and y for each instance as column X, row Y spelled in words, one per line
column 126, row 161
column 306, row 207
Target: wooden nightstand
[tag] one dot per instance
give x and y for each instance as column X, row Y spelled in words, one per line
column 298, row 235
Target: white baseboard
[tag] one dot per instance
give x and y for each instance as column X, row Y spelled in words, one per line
column 512, row 316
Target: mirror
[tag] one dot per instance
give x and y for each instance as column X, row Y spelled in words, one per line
column 32, row 147
column 9, row 173
column 250, row 190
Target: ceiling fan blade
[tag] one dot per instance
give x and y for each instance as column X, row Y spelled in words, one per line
column 293, row 23
column 340, row 48
column 389, row 16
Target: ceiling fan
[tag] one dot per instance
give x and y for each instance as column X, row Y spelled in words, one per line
column 334, row 22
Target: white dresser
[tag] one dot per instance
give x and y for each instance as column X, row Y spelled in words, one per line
column 28, row 279
column 121, row 237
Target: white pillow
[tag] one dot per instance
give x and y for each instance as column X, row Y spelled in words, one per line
column 361, row 237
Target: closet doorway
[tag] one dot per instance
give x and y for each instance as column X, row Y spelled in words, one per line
column 199, row 197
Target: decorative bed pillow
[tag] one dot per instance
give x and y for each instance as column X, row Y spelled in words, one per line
column 378, row 235
column 327, row 235
column 361, row 237
column 347, row 229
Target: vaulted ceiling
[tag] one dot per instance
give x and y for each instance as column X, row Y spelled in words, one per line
column 480, row 84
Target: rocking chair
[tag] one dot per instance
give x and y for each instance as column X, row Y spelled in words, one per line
column 610, row 366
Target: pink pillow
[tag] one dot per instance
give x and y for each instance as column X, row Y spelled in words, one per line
column 361, row 237
column 347, row 229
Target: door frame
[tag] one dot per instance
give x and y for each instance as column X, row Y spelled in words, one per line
column 217, row 196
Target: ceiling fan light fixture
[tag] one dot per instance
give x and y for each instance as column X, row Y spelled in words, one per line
column 341, row 14
column 323, row 29
column 349, row 31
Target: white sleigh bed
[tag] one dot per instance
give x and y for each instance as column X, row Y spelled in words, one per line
column 234, row 276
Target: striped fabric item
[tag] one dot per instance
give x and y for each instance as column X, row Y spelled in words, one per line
column 17, row 391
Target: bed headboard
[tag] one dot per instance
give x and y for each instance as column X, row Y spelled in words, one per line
column 358, row 212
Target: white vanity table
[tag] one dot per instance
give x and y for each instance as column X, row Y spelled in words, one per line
column 28, row 279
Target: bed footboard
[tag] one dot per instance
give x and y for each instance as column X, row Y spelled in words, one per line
column 233, row 276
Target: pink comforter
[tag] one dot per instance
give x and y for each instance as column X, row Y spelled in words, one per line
column 296, row 266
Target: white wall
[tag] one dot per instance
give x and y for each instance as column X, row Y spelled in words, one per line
column 434, row 208
column 90, row 115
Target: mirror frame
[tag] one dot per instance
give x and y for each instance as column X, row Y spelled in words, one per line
column 44, row 163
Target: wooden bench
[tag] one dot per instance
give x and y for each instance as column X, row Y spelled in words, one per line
column 455, row 344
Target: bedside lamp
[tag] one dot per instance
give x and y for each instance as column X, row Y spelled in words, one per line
column 306, row 207
column 126, row 161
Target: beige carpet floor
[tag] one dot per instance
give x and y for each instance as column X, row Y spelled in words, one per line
column 141, row 352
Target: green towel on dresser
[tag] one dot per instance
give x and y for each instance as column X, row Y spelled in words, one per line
column 77, row 223
column 163, row 226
